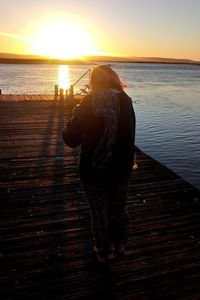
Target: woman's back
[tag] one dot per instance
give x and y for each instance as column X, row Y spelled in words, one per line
column 90, row 130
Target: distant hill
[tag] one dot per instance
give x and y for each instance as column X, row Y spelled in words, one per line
column 35, row 59
column 142, row 60
column 20, row 56
column 9, row 58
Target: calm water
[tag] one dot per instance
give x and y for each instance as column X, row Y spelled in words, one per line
column 166, row 99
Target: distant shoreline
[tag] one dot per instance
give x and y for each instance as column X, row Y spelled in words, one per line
column 93, row 60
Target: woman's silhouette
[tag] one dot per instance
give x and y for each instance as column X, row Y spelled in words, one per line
column 104, row 124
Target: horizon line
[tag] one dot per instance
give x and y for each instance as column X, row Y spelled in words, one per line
column 88, row 57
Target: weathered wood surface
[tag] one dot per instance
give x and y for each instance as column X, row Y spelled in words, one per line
column 45, row 226
column 32, row 97
column 28, row 97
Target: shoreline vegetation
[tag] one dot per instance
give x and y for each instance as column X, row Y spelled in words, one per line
column 6, row 58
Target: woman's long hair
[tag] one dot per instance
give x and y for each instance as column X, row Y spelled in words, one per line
column 103, row 77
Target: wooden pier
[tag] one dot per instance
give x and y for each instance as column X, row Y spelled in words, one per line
column 31, row 97
column 35, row 97
column 45, row 226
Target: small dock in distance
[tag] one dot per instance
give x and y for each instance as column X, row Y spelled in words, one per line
column 45, row 250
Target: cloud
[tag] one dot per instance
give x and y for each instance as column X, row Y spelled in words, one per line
column 16, row 37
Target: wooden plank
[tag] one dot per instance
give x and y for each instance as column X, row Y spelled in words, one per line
column 26, row 97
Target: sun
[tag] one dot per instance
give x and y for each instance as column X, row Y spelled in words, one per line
column 63, row 40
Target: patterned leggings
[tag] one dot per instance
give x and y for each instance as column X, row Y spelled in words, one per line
column 109, row 214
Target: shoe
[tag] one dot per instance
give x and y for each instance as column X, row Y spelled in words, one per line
column 119, row 250
column 100, row 258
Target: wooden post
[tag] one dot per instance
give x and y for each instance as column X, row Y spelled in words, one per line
column 66, row 94
column 70, row 97
column 56, row 90
column 71, row 91
column 61, row 94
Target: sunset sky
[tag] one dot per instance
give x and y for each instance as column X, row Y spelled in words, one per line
column 67, row 29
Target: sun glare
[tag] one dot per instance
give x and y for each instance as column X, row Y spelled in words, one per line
column 63, row 40
column 63, row 77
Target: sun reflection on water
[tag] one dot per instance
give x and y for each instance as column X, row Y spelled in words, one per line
column 63, row 77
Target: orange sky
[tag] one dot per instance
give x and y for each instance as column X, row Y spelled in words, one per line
column 155, row 28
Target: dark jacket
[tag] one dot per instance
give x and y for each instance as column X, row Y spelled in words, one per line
column 86, row 129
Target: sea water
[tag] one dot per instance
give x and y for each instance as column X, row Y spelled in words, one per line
column 166, row 99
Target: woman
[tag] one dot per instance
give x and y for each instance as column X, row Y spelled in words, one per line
column 104, row 123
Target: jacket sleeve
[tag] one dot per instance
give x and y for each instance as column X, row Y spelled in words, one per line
column 73, row 132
